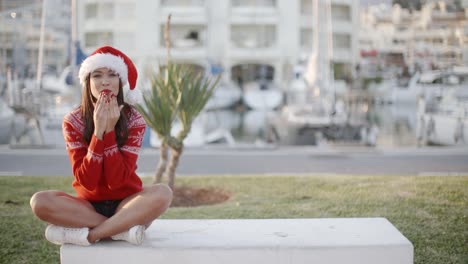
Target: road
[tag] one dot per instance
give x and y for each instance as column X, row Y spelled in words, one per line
column 251, row 160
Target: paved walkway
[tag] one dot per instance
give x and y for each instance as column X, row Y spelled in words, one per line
column 222, row 160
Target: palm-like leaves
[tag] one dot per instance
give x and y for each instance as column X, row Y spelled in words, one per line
column 159, row 105
column 177, row 92
column 195, row 93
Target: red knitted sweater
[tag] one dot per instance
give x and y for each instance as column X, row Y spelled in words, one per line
column 102, row 171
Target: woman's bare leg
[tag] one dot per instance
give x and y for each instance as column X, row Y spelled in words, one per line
column 62, row 209
column 138, row 209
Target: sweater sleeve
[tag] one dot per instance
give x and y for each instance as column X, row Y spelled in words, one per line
column 86, row 161
column 120, row 165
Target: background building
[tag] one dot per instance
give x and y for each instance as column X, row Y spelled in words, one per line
column 20, row 29
column 433, row 37
column 229, row 34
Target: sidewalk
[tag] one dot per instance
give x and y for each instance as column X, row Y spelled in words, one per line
column 268, row 150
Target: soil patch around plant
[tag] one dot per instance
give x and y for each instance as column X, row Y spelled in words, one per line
column 188, row 196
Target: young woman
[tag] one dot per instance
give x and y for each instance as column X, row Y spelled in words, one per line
column 103, row 137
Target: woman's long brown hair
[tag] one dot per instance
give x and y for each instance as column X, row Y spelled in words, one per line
column 87, row 110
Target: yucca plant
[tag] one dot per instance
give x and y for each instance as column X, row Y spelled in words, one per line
column 177, row 93
column 159, row 111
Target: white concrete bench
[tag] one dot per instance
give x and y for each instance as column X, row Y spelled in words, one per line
column 269, row 241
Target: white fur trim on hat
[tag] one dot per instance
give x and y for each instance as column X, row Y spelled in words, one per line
column 103, row 60
column 134, row 97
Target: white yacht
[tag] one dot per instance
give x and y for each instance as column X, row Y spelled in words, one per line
column 209, row 127
column 430, row 85
column 446, row 121
column 7, row 117
column 61, row 84
column 262, row 95
column 312, row 113
column 226, row 95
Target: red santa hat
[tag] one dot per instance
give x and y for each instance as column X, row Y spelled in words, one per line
column 114, row 59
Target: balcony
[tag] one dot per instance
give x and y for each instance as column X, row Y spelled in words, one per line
column 342, row 27
column 116, row 25
column 342, row 55
column 192, row 54
column 184, row 11
column 342, row 48
column 187, row 41
column 341, row 17
column 341, row 12
column 253, row 4
column 185, row 36
column 255, row 54
column 254, row 42
column 253, row 36
column 254, row 12
column 182, row 3
column 343, row 2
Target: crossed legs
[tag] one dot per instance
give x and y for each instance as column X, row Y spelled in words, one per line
column 59, row 208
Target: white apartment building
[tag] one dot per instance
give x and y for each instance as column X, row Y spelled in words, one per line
column 431, row 37
column 465, row 33
column 226, row 33
column 20, row 23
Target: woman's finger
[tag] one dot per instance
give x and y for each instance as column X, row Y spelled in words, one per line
column 98, row 105
column 115, row 107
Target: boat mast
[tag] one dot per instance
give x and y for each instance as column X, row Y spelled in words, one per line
column 329, row 65
column 311, row 70
column 41, row 47
column 73, row 34
column 319, row 72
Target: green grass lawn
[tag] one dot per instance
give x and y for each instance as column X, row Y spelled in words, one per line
column 432, row 212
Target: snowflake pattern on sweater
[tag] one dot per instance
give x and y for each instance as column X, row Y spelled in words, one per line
column 101, row 170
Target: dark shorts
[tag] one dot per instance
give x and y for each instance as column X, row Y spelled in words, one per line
column 106, row 208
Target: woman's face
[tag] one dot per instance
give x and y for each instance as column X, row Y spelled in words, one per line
column 104, row 78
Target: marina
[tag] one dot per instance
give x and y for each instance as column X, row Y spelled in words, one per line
column 396, row 125
column 292, row 72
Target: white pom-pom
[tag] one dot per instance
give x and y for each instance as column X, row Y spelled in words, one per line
column 134, row 97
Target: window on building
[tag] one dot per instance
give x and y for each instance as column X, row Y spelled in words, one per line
column 257, row 3
column 185, row 36
column 107, row 10
column 306, row 7
column 91, row 11
column 259, row 36
column 341, row 12
column 93, row 39
column 126, row 10
column 398, row 41
column 100, row 10
column 125, row 40
column 107, row 38
column 342, row 71
column 306, row 38
column 341, row 41
column 182, row 2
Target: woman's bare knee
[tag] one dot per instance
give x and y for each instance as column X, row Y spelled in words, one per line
column 162, row 194
column 40, row 203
